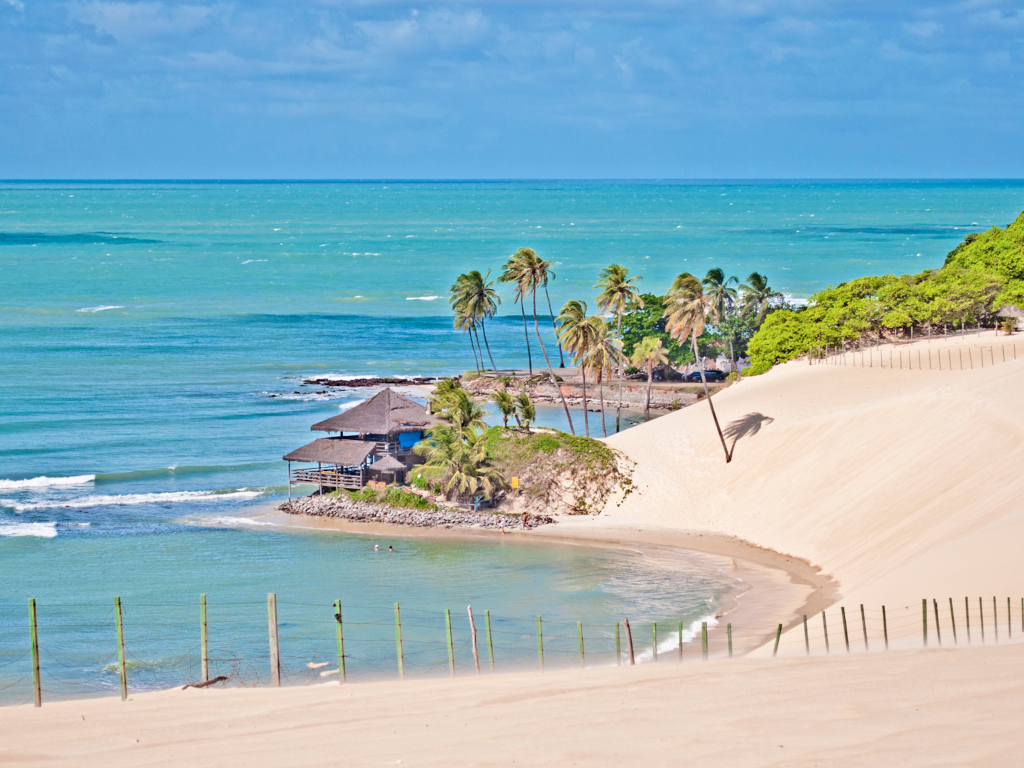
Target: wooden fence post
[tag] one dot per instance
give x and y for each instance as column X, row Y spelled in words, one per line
column 681, row 636
column 981, row 619
column 824, row 626
column 938, row 629
column 33, row 628
column 618, row 647
column 728, row 634
column 885, row 629
column 1009, row 618
column 778, row 636
column 807, row 637
column 864, row 626
column 952, row 619
column 579, row 631
column 629, row 641
column 540, row 644
column 967, row 616
column 451, row 648
column 398, row 642
column 275, row 652
column 846, row 634
column 924, row 621
column 654, row 640
column 472, row 632
column 704, row 640
column 204, row 648
column 995, row 619
column 341, row 641
column 490, row 646
column 120, row 648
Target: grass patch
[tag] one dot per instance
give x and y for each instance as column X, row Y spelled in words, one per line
column 391, row 497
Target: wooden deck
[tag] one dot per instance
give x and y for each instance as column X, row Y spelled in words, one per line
column 329, row 478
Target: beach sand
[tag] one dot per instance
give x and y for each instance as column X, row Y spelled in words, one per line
column 848, row 486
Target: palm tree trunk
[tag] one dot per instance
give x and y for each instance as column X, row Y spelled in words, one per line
column 526, row 333
column 600, row 386
column 476, row 360
column 586, row 416
column 487, row 344
column 622, row 373
column 480, row 348
column 647, row 402
column 551, row 372
column 561, row 355
column 707, row 396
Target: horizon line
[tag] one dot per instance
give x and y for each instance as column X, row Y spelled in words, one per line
column 508, row 180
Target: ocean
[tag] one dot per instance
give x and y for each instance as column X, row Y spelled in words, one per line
column 154, row 338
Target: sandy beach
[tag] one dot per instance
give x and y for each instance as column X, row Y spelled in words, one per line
column 848, row 486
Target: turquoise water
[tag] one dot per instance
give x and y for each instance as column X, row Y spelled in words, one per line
column 144, row 326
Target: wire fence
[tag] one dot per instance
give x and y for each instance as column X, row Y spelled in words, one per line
column 73, row 651
column 952, row 352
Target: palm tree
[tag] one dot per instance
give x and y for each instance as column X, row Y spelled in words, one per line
column 617, row 294
column 506, row 405
column 687, row 308
column 721, row 297
column 464, row 322
column 576, row 334
column 474, row 293
column 758, row 296
column 464, row 412
column 526, row 411
column 605, row 353
column 649, row 353
column 444, row 393
column 535, row 274
column 459, row 463
column 514, row 272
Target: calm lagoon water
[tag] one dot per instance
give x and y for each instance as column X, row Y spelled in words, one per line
column 144, row 326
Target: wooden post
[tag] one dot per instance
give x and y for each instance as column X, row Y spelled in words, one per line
column 540, row 644
column 1009, row 618
column 398, row 643
column 824, row 626
column 778, row 636
column 618, row 647
column 981, row 619
column 33, row 629
column 967, row 616
column 885, row 628
column 275, row 652
column 320, row 477
column 938, row 629
column 995, row 619
column 924, row 621
column 120, row 648
column 204, row 661
column 629, row 641
column 961, row 353
column 864, row 626
column 704, row 640
column 952, row 619
column 846, row 635
column 451, row 648
column 654, row 640
column 490, row 645
column 807, row 637
column 681, row 636
column 579, row 631
column 341, row 641
column 472, row 632
column 290, row 482
column 728, row 634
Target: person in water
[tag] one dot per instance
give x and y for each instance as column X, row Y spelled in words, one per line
column 391, row 549
column 376, row 548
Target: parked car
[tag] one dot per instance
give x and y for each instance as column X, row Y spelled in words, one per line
column 712, row 375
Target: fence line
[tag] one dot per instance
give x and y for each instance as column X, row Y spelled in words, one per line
column 940, row 623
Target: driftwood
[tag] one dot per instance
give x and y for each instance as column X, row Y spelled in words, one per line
column 205, row 683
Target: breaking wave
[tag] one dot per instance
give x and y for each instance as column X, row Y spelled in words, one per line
column 130, row 499
column 45, row 482
column 41, row 530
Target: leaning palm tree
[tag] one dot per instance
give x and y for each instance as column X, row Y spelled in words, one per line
column 687, row 308
column 506, row 406
column 474, row 293
column 463, row 321
column 720, row 295
column 648, row 354
column 459, row 463
column 535, row 274
column 516, row 273
column 526, row 411
column 758, row 296
column 576, row 335
column 605, row 353
column 617, row 294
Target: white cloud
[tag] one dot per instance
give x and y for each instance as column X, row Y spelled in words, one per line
column 17, row 5
column 131, row 21
column 923, row 28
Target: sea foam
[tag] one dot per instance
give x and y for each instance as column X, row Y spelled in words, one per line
column 101, row 308
column 42, row 530
column 129, row 499
column 45, row 482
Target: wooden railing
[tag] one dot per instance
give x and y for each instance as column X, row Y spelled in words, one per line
column 330, row 478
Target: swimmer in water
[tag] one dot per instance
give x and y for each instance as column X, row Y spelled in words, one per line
column 376, row 548
column 391, row 549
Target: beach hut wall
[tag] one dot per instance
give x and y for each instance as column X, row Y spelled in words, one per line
column 386, row 413
column 333, row 450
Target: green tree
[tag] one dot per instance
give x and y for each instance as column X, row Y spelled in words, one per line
column 576, row 335
column 458, row 462
column 758, row 296
column 525, row 409
column 506, row 406
column 719, row 293
column 617, row 294
column 473, row 294
column 605, row 353
column 648, row 354
column 517, row 273
column 687, row 309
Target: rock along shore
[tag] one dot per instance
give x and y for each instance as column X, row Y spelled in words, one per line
column 442, row 517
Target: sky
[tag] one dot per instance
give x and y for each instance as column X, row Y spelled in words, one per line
column 343, row 89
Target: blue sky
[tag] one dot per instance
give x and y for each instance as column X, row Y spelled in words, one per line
column 599, row 89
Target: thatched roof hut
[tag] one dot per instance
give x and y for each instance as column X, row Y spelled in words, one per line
column 1011, row 311
column 386, row 413
column 388, row 464
column 332, row 450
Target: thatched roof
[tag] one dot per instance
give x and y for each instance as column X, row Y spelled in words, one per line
column 387, row 464
column 334, row 450
column 1010, row 311
column 386, row 413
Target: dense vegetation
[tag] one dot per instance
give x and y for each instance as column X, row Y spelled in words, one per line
column 980, row 276
column 391, row 497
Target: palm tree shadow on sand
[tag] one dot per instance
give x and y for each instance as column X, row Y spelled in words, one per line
column 745, row 426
